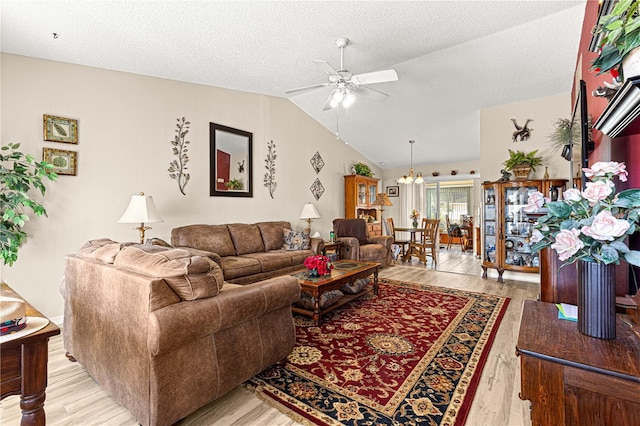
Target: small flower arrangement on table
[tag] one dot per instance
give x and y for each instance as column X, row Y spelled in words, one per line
column 415, row 215
column 318, row 265
column 590, row 225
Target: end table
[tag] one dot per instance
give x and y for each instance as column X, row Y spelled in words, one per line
column 332, row 246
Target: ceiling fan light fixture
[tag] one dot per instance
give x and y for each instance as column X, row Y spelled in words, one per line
column 348, row 99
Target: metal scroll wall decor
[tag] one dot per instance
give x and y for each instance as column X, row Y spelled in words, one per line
column 177, row 168
column 317, row 163
column 522, row 132
column 317, row 189
column 270, row 165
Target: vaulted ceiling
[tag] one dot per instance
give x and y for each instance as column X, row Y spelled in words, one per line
column 453, row 58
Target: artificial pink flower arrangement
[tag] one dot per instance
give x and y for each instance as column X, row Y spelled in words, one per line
column 320, row 263
column 589, row 225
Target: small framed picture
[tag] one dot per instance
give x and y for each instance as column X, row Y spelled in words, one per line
column 393, row 191
column 60, row 129
column 64, row 162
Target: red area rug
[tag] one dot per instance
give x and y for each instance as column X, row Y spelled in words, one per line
column 411, row 355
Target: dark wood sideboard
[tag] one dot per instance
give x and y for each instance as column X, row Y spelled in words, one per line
column 573, row 379
column 559, row 284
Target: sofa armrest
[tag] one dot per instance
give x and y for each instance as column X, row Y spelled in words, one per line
column 175, row 325
column 350, row 249
column 385, row 240
column 197, row 252
column 317, row 245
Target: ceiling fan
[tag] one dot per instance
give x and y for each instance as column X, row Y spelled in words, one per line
column 348, row 85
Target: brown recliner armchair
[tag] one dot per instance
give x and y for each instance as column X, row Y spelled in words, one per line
column 358, row 245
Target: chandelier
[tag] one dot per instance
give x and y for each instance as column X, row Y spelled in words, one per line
column 409, row 179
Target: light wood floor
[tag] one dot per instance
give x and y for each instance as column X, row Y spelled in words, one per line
column 73, row 398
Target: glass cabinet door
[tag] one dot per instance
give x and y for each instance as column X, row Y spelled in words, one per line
column 373, row 191
column 490, row 225
column 362, row 193
column 517, row 228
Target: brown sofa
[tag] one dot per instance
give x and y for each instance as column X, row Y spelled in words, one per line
column 357, row 244
column 246, row 252
column 158, row 330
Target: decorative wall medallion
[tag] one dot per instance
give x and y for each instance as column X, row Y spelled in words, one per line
column 270, row 165
column 177, row 168
column 317, row 163
column 317, row 189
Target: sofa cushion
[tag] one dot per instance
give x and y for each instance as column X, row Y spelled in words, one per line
column 270, row 261
column 103, row 250
column 190, row 277
column 246, row 238
column 213, row 238
column 239, row 266
column 297, row 256
column 296, row 240
column 272, row 234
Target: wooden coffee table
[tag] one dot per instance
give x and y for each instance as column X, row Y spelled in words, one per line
column 343, row 272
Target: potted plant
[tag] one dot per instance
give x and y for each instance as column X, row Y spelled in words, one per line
column 566, row 134
column 362, row 169
column 19, row 173
column 234, row 184
column 620, row 32
column 522, row 164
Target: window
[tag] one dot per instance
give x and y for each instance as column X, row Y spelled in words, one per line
column 452, row 198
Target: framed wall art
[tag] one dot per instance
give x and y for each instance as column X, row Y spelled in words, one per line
column 393, row 191
column 64, row 162
column 60, row 129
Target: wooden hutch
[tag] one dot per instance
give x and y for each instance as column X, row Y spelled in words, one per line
column 359, row 195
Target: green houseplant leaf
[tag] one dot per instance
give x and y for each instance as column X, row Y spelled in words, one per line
column 19, row 174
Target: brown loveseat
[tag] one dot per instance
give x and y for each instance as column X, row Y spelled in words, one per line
column 246, row 252
column 158, row 330
column 357, row 244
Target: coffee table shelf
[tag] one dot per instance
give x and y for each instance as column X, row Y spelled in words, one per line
column 344, row 272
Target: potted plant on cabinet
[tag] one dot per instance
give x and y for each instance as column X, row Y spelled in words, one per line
column 19, row 174
column 362, row 169
column 618, row 49
column 522, row 164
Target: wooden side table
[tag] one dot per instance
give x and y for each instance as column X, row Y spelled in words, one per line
column 23, row 366
column 332, row 246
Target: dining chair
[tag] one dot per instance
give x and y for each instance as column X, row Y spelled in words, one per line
column 404, row 244
column 454, row 234
column 428, row 241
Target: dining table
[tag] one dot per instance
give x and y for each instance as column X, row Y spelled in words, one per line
column 413, row 238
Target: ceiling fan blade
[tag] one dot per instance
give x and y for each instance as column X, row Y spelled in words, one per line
column 373, row 94
column 375, row 77
column 326, row 67
column 306, row 88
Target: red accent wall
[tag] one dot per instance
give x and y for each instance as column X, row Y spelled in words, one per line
column 625, row 148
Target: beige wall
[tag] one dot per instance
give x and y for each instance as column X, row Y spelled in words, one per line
column 496, row 129
column 126, row 123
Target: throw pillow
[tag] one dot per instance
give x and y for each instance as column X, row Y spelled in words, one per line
column 326, row 299
column 296, row 240
column 355, row 287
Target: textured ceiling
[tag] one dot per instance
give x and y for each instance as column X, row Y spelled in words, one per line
column 452, row 57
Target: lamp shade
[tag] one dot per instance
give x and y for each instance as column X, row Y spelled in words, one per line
column 382, row 199
column 141, row 209
column 309, row 212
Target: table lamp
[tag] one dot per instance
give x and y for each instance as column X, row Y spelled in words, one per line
column 309, row 212
column 141, row 210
